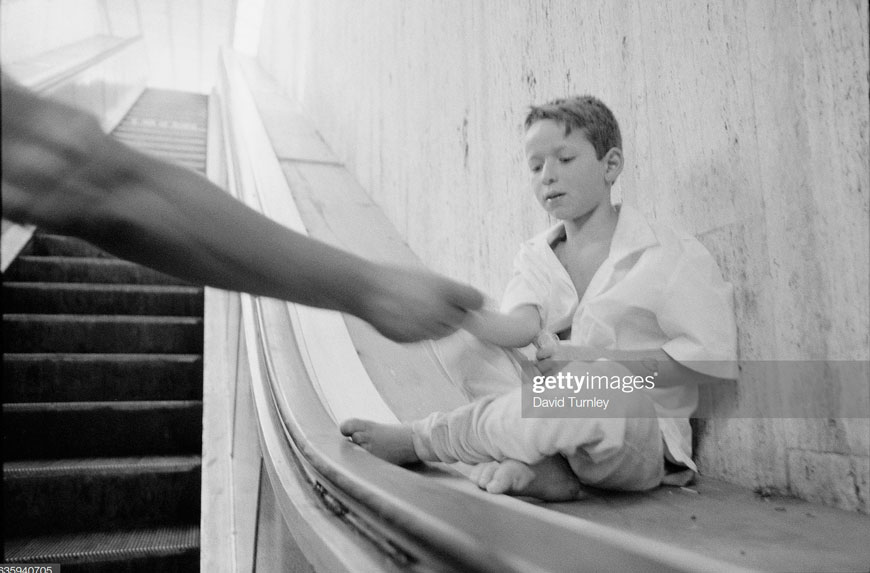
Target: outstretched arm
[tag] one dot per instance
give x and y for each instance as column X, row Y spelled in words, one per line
column 60, row 172
column 516, row 329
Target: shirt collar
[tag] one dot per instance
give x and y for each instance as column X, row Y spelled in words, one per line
column 633, row 233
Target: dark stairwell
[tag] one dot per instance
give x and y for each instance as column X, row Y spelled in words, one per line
column 102, row 390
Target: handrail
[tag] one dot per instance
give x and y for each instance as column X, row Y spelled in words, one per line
column 411, row 518
column 93, row 51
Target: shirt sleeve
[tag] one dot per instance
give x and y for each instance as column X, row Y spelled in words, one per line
column 697, row 315
column 529, row 285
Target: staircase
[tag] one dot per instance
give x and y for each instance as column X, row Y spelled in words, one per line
column 102, row 390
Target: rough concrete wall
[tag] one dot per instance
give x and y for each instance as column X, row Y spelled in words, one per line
column 744, row 122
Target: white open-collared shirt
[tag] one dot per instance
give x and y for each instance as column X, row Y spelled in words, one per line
column 657, row 289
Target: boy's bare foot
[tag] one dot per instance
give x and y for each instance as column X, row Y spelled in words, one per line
column 391, row 442
column 549, row 480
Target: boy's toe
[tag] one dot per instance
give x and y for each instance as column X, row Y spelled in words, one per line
column 499, row 484
column 482, row 473
column 354, row 425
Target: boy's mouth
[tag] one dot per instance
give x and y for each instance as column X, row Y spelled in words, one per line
column 553, row 195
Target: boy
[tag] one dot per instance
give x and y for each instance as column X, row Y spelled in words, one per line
column 638, row 299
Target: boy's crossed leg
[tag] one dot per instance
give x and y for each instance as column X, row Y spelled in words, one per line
column 623, row 452
column 551, row 479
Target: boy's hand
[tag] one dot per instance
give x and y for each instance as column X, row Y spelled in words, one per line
column 552, row 357
column 408, row 304
column 546, row 343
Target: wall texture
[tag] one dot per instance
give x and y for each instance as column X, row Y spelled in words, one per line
column 745, row 123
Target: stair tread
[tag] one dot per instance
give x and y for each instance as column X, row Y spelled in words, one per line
column 103, row 333
column 41, row 468
column 51, row 298
column 84, row 269
column 102, row 545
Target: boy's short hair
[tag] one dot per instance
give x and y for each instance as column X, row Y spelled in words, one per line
column 586, row 113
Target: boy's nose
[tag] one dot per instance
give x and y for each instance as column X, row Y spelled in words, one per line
column 549, row 173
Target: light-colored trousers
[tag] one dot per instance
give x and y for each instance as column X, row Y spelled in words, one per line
column 623, row 452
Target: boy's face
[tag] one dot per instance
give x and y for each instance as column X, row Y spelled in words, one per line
column 567, row 178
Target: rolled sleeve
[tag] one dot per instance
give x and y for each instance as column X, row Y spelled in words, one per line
column 697, row 315
column 529, row 285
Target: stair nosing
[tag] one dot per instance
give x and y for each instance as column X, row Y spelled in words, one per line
column 107, row 356
column 125, row 464
column 110, row 260
column 104, row 287
column 120, row 405
column 105, row 318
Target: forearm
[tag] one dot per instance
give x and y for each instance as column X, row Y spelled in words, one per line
column 176, row 221
column 514, row 330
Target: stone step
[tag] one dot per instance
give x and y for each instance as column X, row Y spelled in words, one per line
column 46, row 245
column 132, row 334
column 72, row 495
column 164, row 549
column 64, row 430
column 84, row 270
column 89, row 298
column 101, row 377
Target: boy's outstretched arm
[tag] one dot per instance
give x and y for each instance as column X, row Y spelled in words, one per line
column 516, row 329
column 60, row 172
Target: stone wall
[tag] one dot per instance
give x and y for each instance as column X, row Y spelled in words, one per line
column 745, row 123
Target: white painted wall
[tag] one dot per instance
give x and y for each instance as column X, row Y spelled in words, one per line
column 744, row 122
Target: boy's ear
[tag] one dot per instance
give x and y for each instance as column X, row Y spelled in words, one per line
column 614, row 161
